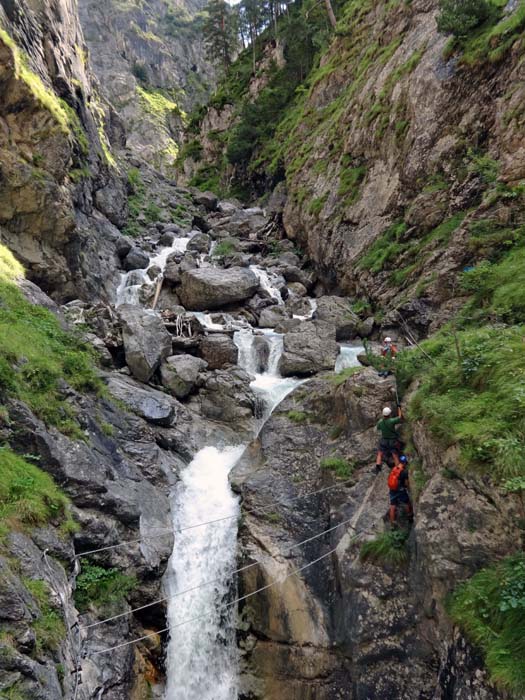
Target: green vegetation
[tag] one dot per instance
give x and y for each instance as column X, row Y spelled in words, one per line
column 49, row 626
column 490, row 609
column 341, row 377
column 471, row 395
column 493, row 37
column 389, row 548
column 36, row 354
column 350, row 180
column 223, row 249
column 395, row 245
column 28, row 496
column 341, row 467
column 297, row 416
column 101, row 589
column 459, row 17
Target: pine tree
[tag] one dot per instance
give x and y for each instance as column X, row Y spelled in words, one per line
column 220, row 32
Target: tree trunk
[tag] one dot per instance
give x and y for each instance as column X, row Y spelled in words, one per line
column 331, row 15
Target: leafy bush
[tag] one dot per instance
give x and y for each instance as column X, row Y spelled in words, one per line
column 101, row 588
column 342, row 467
column 490, row 609
column 29, row 496
column 459, row 17
column 388, row 548
column 140, row 72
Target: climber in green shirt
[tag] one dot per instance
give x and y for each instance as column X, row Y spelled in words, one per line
column 389, row 442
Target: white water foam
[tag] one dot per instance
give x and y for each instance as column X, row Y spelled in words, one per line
column 202, row 657
column 348, row 357
column 129, row 293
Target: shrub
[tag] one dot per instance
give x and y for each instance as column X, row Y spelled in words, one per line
column 388, row 548
column 223, row 249
column 100, row 588
column 140, row 72
column 342, row 467
column 490, row 609
column 459, row 17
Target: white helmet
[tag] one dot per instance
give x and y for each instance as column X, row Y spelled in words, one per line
column 387, row 411
column 388, row 340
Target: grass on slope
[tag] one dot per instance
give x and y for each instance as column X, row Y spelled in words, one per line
column 36, row 355
column 28, row 496
column 472, row 395
column 490, row 609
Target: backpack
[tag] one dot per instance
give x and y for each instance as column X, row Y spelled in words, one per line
column 393, row 478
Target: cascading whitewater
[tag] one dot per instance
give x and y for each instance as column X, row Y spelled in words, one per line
column 202, row 656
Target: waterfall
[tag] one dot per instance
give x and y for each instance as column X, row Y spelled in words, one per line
column 348, row 356
column 202, row 663
column 202, row 656
column 128, row 291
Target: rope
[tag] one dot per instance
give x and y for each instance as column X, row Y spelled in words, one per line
column 231, row 573
column 171, row 531
column 228, row 605
column 354, row 518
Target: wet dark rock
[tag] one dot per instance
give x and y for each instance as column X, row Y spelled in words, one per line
column 200, row 243
column 146, row 341
column 206, row 199
column 261, row 348
column 226, row 397
column 136, row 259
column 271, row 316
column 167, row 239
column 123, row 246
column 219, row 351
column 309, row 348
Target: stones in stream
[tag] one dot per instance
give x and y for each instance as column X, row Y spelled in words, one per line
column 146, row 341
column 212, row 288
column 310, row 347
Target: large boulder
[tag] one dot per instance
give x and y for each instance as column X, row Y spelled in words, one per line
column 150, row 404
column 146, row 341
column 272, row 316
column 227, row 398
column 180, row 374
column 200, row 243
column 136, row 259
column 212, row 288
column 338, row 310
column 219, row 351
column 309, row 348
column 206, row 199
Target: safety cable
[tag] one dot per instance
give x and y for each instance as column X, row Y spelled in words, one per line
column 171, row 531
column 208, row 583
column 228, row 605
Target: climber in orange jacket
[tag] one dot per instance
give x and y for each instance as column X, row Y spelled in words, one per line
column 399, row 490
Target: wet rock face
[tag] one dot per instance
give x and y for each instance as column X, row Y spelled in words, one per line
column 361, row 630
column 309, row 348
column 219, row 351
column 180, row 374
column 212, row 288
column 52, row 204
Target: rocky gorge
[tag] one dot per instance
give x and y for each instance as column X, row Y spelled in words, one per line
column 187, row 408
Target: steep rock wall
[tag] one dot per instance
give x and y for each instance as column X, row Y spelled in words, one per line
column 361, row 630
column 60, row 188
column 151, row 64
